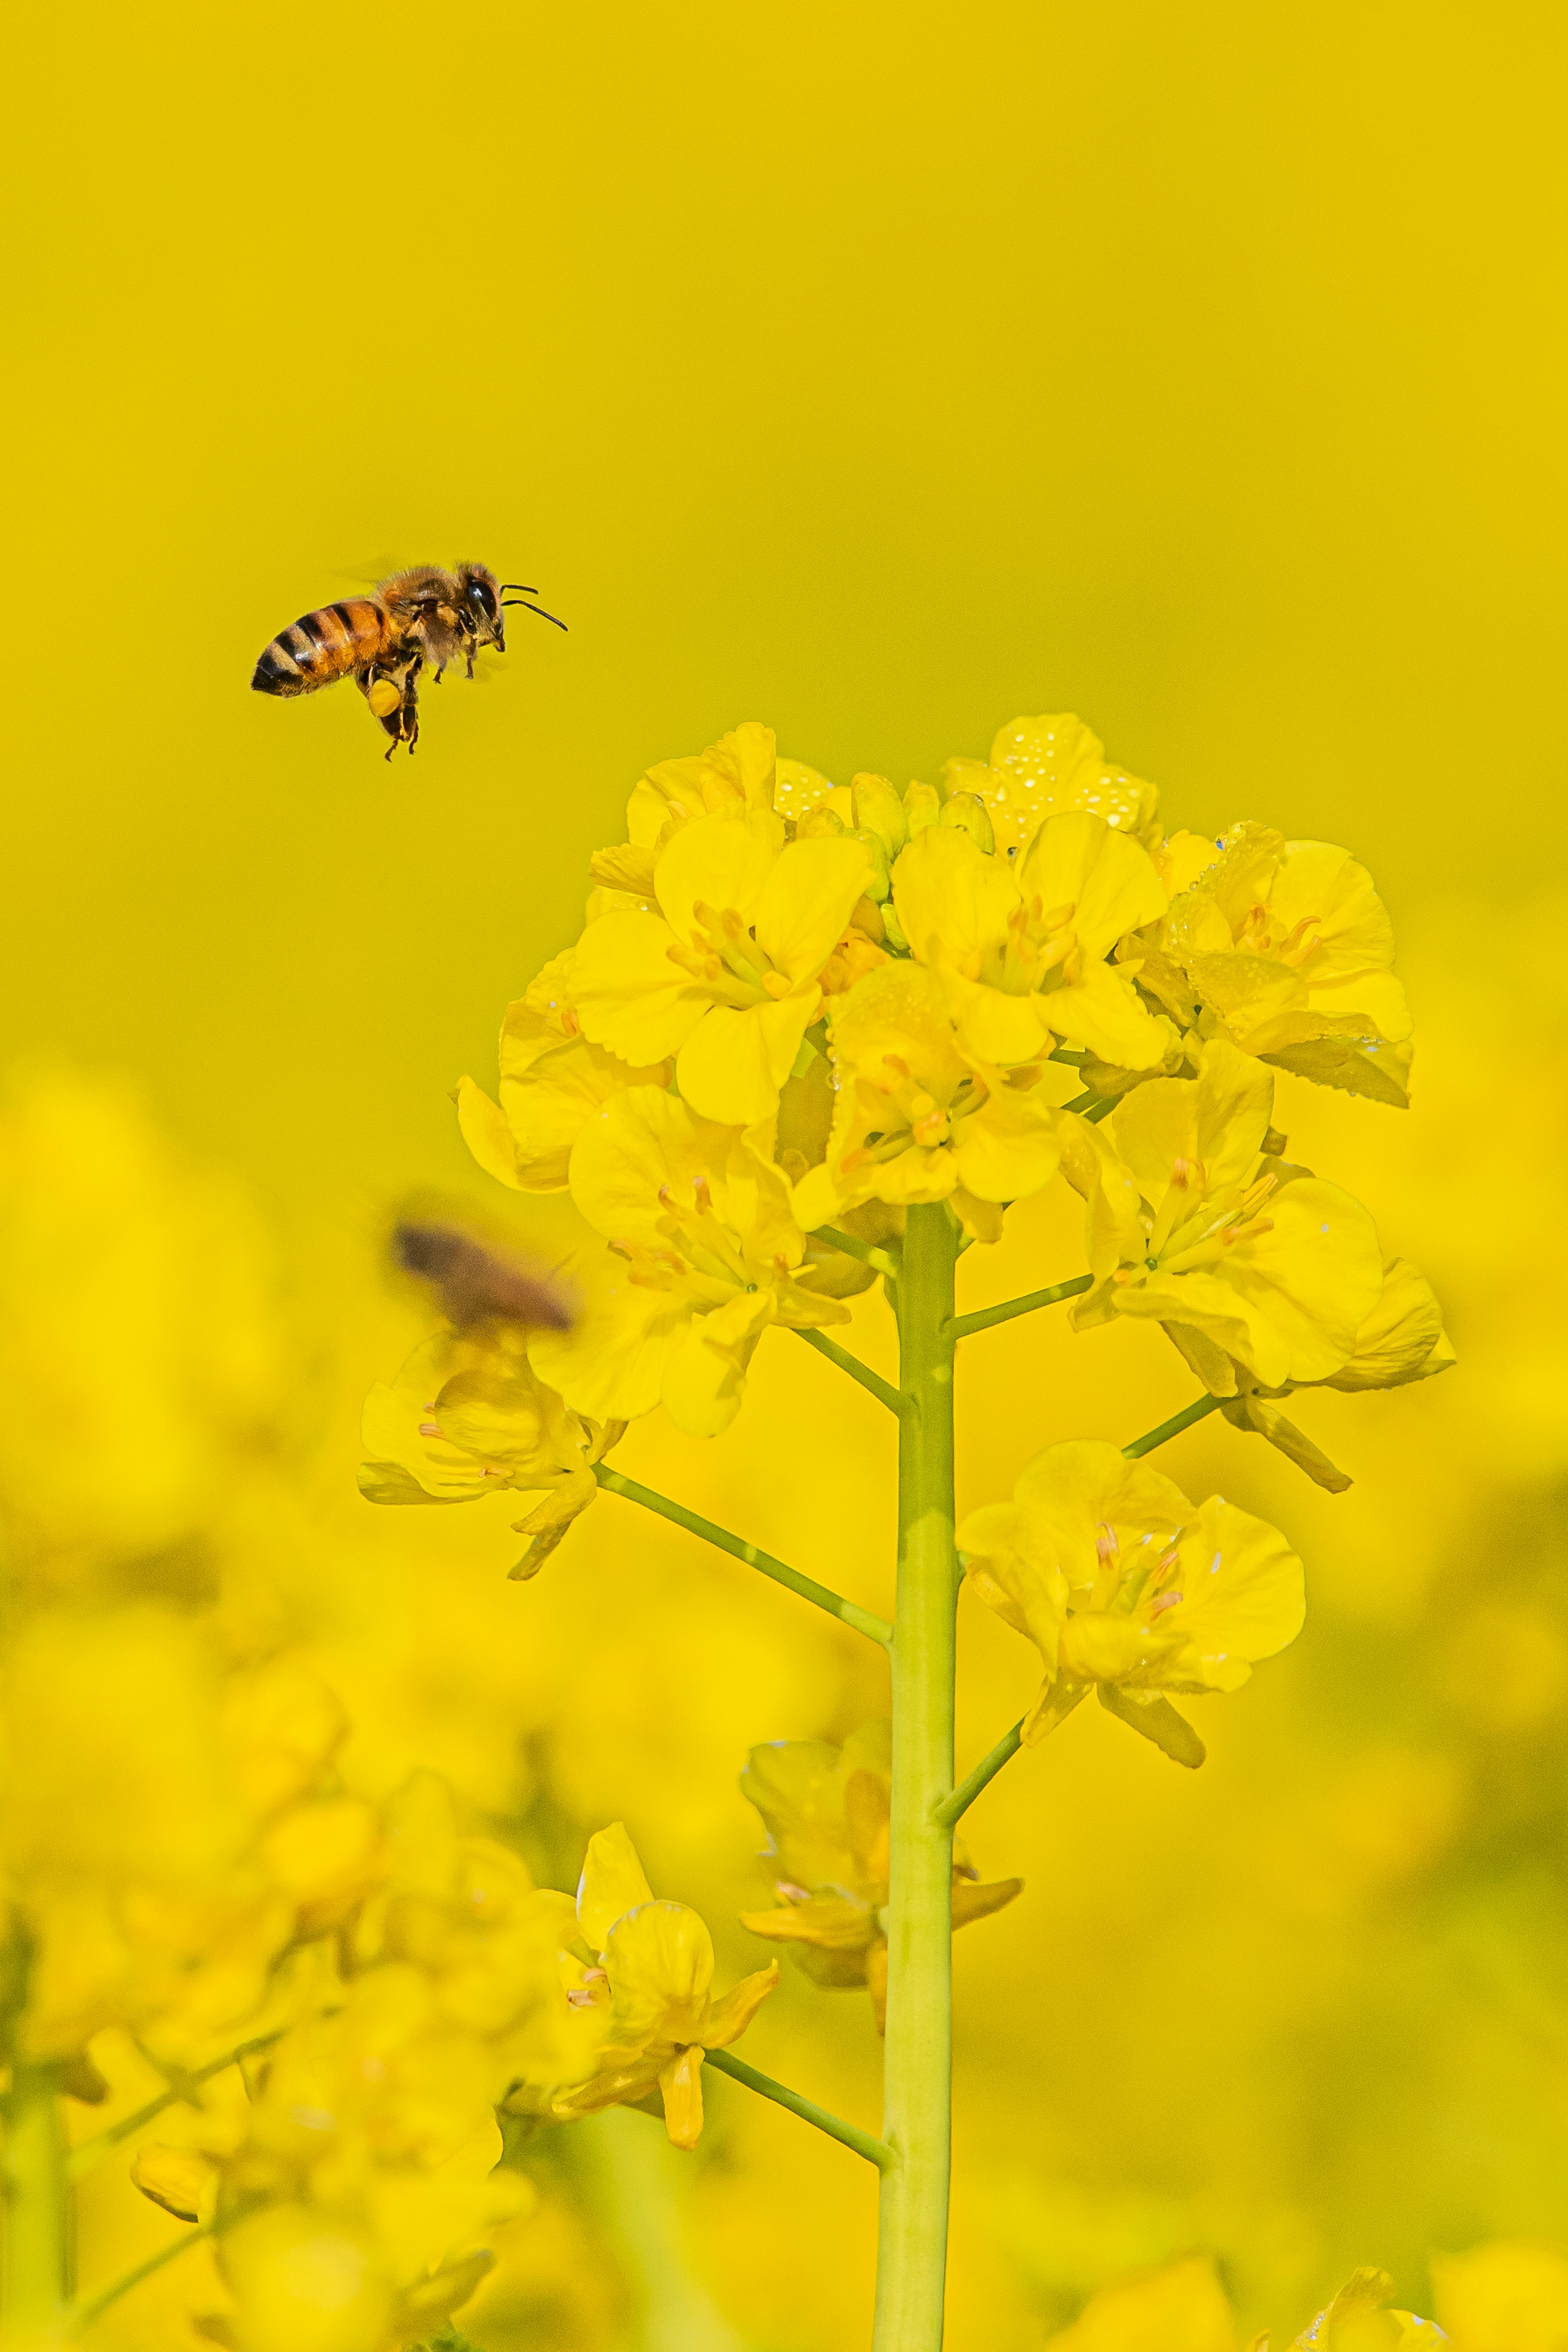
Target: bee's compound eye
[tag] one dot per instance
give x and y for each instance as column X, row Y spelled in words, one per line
column 483, row 597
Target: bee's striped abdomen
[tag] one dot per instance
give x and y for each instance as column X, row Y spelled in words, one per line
column 320, row 646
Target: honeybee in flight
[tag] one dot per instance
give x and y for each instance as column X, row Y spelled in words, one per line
column 421, row 617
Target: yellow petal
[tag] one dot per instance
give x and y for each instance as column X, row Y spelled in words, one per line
column 719, row 861
column 1243, row 1598
column 548, row 1107
column 734, row 1062
column 1102, row 1012
column 705, row 1373
column 483, row 1128
column 1314, row 1277
column 833, row 1923
column 1402, row 1339
column 1218, row 1121
column 638, row 1144
column 630, row 998
column 952, row 899
column 1009, row 1148
column 1109, row 880
column 972, row 1902
column 680, row 2085
column 611, row 1884
column 659, row 1960
column 729, row 2018
column 610, row 1365
column 806, row 902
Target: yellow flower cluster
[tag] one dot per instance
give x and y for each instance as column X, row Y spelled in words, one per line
column 798, row 1009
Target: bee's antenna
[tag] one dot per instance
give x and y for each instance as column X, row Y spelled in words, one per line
column 521, row 587
column 533, row 608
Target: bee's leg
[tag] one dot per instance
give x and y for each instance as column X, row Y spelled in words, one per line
column 385, row 698
column 408, row 716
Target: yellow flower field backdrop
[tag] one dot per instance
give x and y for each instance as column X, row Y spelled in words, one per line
column 877, row 376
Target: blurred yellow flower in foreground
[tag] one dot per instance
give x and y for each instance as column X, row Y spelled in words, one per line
column 1191, row 1224
column 1506, row 2297
column 1120, row 1583
column 826, row 1810
column 703, row 1252
column 141, row 1377
column 652, row 1980
column 169, row 1829
column 468, row 1415
column 1184, row 2308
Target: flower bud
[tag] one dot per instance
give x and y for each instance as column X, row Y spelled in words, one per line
column 923, row 806
column 879, row 885
column 879, row 810
column 968, row 812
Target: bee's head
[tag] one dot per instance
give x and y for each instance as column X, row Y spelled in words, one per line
column 481, row 595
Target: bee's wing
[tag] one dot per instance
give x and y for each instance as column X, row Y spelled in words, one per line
column 373, row 570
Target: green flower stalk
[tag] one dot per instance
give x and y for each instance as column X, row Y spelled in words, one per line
column 917, row 2085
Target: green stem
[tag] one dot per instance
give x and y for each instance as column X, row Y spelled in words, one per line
column 883, row 1390
column 862, row 1620
column 92, row 2306
column 986, row 1771
column 38, row 2215
column 984, row 1316
column 90, row 2152
column 912, row 2253
column 1093, row 1107
column 874, row 2151
column 1172, row 1428
column 868, row 1252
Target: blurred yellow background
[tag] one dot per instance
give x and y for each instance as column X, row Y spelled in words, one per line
column 879, row 374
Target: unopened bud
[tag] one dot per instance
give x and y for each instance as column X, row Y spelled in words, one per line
column 968, row 814
column 879, row 810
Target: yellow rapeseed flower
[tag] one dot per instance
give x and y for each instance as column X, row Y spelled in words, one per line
column 726, row 975
column 1193, row 1225
column 916, row 1120
column 1121, row 1583
column 1290, row 952
column 653, row 1977
column 469, row 1416
column 826, row 1810
column 552, row 1080
column 1402, row 1339
column 1021, row 950
column 703, row 1256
